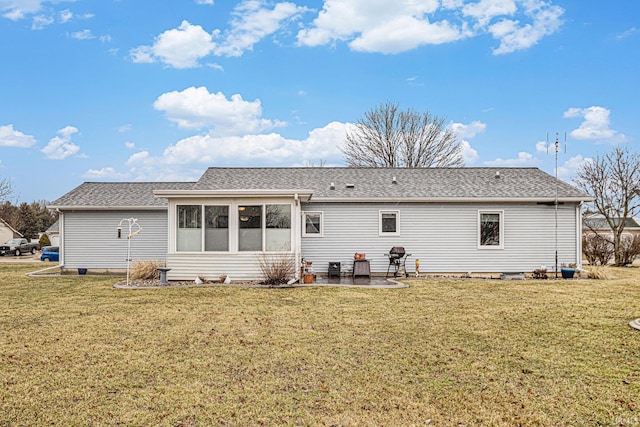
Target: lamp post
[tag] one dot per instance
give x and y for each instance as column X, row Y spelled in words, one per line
column 134, row 229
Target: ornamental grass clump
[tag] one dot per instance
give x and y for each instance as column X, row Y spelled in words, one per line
column 145, row 270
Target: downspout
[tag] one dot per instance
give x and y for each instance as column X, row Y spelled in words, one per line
column 297, row 236
column 579, row 235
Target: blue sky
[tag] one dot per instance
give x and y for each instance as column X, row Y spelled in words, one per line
column 124, row 90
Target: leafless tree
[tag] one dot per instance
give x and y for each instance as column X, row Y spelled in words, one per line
column 613, row 180
column 387, row 137
column 6, row 189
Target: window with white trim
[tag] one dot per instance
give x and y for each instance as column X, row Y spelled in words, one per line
column 389, row 223
column 189, row 234
column 490, row 229
column 312, row 223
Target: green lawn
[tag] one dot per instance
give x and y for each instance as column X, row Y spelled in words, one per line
column 76, row 351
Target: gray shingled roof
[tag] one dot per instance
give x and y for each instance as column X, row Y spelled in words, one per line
column 118, row 194
column 368, row 183
column 426, row 183
column 600, row 223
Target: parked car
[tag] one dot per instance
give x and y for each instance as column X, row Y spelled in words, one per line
column 50, row 253
column 18, row 247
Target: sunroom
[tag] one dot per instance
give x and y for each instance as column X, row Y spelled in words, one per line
column 216, row 233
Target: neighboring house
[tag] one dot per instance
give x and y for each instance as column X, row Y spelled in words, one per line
column 53, row 233
column 452, row 219
column 7, row 232
column 597, row 224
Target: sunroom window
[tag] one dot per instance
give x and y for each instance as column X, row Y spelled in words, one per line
column 278, row 228
column 189, row 235
column 250, row 228
column 216, row 234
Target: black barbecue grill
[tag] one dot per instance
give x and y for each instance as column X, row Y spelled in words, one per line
column 398, row 259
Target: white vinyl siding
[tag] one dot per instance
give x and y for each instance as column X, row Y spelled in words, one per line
column 444, row 237
column 91, row 238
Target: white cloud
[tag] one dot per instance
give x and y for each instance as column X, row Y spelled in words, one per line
column 571, row 166
column 185, row 46
column 18, row 9
column 102, row 174
column 210, row 2
column 41, row 21
column 60, row 147
column 83, row 35
column 514, row 36
column 66, row 16
column 468, row 131
column 197, row 152
column 129, row 145
column 595, row 125
column 9, row 137
column 625, row 34
column 393, row 27
column 542, row 147
column 469, row 155
column 523, row 159
column 196, row 108
column 379, row 25
column 485, row 10
column 252, row 22
column 180, row 47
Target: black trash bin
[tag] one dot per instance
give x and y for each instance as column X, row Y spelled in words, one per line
column 334, row 269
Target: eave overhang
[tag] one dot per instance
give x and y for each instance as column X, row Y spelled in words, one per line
column 302, row 194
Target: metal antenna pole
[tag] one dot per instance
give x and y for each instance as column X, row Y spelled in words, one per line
column 556, row 205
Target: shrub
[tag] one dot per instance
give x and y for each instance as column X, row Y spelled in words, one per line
column 145, row 270
column 44, row 241
column 599, row 272
column 540, row 273
column 277, row 269
column 597, row 249
column 629, row 248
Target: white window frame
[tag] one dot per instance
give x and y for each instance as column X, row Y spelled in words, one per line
column 500, row 213
column 388, row 233
column 304, row 224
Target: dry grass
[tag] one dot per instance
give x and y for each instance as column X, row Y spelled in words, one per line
column 145, row 270
column 76, row 351
column 599, row 272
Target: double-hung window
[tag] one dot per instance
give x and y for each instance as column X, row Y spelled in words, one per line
column 312, row 224
column 389, row 223
column 490, row 229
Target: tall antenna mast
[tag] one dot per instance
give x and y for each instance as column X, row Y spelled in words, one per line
column 556, row 205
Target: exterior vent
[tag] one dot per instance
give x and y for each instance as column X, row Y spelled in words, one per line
column 332, row 186
column 497, row 174
column 394, row 180
column 351, row 186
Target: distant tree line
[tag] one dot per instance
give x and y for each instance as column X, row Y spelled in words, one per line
column 28, row 218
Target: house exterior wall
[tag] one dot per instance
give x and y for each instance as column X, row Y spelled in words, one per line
column 90, row 238
column 6, row 233
column 238, row 265
column 444, row 237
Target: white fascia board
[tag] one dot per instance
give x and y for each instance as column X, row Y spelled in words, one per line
column 446, row 200
column 304, row 194
column 107, row 208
